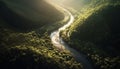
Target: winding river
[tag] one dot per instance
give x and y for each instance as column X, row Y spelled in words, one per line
column 60, row 44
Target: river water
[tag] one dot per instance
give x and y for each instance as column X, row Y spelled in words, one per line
column 60, row 44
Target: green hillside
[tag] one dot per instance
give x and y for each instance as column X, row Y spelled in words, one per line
column 21, row 47
column 96, row 33
column 25, row 27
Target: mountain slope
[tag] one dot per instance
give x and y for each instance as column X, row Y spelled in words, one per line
column 96, row 33
column 101, row 28
column 28, row 14
column 30, row 50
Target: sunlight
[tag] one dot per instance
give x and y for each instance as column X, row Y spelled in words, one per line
column 57, row 1
column 60, row 2
column 71, row 4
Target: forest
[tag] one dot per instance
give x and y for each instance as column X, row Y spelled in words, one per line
column 59, row 34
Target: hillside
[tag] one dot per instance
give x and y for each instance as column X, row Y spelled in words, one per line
column 101, row 28
column 89, row 39
column 96, row 33
column 32, row 51
column 21, row 47
column 27, row 15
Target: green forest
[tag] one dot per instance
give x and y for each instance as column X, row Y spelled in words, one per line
column 31, row 35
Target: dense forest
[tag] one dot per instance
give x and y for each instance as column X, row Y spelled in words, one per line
column 96, row 33
column 26, row 25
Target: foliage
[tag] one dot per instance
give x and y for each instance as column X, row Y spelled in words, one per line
column 95, row 33
column 32, row 51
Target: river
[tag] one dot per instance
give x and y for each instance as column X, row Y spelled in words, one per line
column 60, row 44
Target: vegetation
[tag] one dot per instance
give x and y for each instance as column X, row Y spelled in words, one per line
column 32, row 51
column 26, row 49
column 95, row 33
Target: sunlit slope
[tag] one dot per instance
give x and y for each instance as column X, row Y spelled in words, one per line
column 28, row 14
column 95, row 32
column 101, row 28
